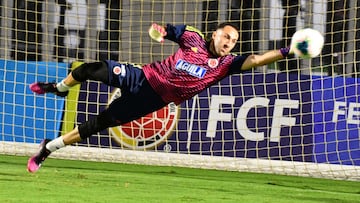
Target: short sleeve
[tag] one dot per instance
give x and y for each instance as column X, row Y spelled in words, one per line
column 235, row 66
column 174, row 33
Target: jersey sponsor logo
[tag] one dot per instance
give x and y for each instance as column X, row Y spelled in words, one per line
column 147, row 132
column 213, row 63
column 192, row 69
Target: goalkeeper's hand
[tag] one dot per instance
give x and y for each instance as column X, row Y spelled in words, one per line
column 157, row 32
column 286, row 51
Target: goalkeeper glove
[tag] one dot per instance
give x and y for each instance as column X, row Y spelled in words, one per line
column 157, row 32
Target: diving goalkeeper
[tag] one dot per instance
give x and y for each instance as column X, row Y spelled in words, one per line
column 195, row 66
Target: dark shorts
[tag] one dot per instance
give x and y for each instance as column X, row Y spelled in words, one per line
column 137, row 96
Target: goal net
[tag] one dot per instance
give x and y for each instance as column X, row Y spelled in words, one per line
column 294, row 117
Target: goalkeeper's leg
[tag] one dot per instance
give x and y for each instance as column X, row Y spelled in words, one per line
column 79, row 133
column 122, row 110
column 130, row 106
column 80, row 72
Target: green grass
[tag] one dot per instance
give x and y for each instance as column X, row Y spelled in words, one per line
column 79, row 181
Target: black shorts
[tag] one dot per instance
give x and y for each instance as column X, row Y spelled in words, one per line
column 137, row 96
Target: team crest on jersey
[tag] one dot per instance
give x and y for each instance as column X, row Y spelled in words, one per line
column 117, row 70
column 147, row 132
column 192, row 69
column 213, row 63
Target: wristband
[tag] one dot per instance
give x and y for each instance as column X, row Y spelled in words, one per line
column 285, row 51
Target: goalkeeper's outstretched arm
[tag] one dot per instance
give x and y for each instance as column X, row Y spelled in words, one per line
column 266, row 58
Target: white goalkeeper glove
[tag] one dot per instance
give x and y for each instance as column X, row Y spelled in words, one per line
column 157, row 32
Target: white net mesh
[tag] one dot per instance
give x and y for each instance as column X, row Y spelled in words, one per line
column 304, row 123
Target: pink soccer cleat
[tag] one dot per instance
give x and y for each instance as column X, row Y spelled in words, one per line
column 42, row 88
column 34, row 163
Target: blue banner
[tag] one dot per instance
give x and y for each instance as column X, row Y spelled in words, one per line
column 262, row 115
column 271, row 116
column 336, row 108
column 26, row 117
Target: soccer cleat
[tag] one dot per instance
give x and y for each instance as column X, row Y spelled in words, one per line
column 42, row 88
column 34, row 163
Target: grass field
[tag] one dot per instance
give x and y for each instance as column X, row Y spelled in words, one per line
column 79, row 181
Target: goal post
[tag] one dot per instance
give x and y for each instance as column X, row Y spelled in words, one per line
column 294, row 117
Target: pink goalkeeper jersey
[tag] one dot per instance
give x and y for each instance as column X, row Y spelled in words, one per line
column 191, row 69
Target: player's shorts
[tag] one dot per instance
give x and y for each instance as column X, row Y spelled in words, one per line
column 137, row 96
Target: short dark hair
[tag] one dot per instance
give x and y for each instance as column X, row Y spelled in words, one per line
column 208, row 37
column 224, row 24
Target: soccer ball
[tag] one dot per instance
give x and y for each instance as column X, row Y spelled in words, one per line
column 307, row 43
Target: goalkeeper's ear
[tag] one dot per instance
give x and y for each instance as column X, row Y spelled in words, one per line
column 157, row 32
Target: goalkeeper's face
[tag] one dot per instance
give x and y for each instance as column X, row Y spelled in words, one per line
column 224, row 40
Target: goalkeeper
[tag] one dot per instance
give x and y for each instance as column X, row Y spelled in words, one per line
column 196, row 65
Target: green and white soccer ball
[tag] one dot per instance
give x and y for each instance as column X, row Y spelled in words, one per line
column 307, row 43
